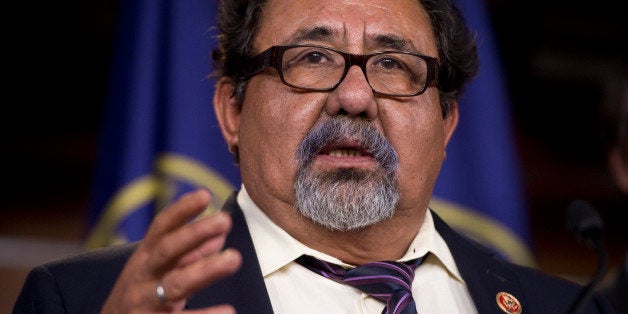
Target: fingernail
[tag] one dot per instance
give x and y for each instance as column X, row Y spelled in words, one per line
column 230, row 254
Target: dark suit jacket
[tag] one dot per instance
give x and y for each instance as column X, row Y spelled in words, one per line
column 80, row 284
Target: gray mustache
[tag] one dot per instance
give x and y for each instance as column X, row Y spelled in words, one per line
column 337, row 128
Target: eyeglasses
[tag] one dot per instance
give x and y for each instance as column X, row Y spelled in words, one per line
column 316, row 68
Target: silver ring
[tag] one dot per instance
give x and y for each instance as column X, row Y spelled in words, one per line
column 161, row 294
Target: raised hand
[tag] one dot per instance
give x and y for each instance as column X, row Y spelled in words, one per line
column 176, row 258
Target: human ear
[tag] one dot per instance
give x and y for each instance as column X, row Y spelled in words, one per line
column 227, row 112
column 450, row 122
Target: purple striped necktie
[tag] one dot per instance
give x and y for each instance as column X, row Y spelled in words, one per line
column 387, row 281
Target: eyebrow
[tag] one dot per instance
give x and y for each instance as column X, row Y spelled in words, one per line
column 318, row 33
column 324, row 33
column 394, row 42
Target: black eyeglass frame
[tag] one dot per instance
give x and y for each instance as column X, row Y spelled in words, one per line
column 272, row 56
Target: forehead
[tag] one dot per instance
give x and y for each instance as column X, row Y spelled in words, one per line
column 356, row 26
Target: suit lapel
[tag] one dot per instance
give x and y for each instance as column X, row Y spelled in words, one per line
column 484, row 274
column 245, row 290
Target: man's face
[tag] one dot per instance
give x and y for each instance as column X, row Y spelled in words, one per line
column 275, row 119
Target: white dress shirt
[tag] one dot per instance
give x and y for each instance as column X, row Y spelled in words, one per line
column 437, row 286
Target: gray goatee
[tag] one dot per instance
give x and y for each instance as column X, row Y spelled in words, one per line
column 347, row 199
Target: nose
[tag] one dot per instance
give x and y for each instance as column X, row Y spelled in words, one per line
column 353, row 96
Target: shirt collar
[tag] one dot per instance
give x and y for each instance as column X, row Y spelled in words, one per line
column 275, row 248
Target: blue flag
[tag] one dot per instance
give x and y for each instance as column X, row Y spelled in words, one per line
column 160, row 137
column 479, row 191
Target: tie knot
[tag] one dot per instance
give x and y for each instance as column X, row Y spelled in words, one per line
column 388, row 281
column 384, row 280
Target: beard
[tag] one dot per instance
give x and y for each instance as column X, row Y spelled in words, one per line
column 347, row 199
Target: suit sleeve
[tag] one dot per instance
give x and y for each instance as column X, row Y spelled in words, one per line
column 40, row 294
column 77, row 284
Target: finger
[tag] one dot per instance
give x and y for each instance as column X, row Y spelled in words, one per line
column 190, row 242
column 218, row 309
column 183, row 282
column 177, row 214
column 207, row 248
column 131, row 296
column 151, row 298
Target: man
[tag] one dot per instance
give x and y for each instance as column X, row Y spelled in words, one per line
column 338, row 113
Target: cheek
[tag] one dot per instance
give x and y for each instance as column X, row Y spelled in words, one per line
column 279, row 124
column 264, row 134
column 274, row 121
column 416, row 131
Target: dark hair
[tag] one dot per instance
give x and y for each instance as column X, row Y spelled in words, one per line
column 238, row 22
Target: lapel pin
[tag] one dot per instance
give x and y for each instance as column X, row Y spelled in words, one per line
column 508, row 303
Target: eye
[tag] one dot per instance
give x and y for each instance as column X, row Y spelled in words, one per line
column 314, row 57
column 309, row 57
column 388, row 62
